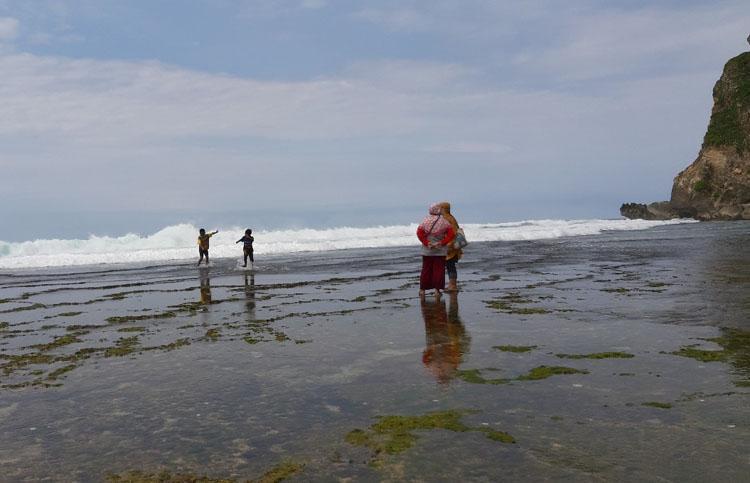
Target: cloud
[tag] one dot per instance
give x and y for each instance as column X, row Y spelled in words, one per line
column 397, row 18
column 468, row 148
column 104, row 113
column 547, row 43
column 639, row 42
column 147, row 135
column 8, row 28
column 100, row 102
column 277, row 8
column 486, row 19
column 314, row 4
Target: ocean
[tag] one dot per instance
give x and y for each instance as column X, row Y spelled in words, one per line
column 178, row 242
column 592, row 350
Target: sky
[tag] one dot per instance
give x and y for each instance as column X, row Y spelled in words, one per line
column 128, row 116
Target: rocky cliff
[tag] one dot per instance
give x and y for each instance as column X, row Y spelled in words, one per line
column 717, row 185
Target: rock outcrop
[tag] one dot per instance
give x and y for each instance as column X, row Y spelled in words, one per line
column 661, row 210
column 717, row 185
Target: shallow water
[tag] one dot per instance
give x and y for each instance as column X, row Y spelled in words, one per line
column 225, row 373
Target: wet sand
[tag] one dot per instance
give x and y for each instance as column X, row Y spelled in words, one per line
column 623, row 356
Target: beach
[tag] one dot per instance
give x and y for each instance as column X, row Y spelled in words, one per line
column 616, row 356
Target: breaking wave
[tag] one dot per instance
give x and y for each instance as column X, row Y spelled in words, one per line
column 178, row 242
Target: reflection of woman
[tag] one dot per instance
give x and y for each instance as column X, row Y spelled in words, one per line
column 446, row 339
column 435, row 232
column 454, row 254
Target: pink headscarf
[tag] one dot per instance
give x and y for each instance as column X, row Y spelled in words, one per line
column 434, row 224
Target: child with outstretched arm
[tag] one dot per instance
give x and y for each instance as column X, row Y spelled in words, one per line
column 203, row 238
column 247, row 247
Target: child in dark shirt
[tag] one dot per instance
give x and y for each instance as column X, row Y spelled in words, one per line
column 247, row 247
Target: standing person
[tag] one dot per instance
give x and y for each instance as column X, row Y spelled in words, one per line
column 247, row 247
column 435, row 232
column 203, row 244
column 454, row 253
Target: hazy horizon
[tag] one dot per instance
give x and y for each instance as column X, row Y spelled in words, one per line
column 80, row 225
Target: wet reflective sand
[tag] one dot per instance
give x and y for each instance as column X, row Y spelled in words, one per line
column 624, row 356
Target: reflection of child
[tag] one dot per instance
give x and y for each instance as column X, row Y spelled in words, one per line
column 203, row 244
column 247, row 247
column 205, row 290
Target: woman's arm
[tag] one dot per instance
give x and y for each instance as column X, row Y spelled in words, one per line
column 422, row 235
column 450, row 234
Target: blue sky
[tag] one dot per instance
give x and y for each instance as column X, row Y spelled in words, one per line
column 340, row 112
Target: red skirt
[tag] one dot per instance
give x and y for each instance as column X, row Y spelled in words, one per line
column 433, row 273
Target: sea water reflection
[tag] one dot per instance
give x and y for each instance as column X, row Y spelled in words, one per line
column 205, row 287
column 446, row 338
column 250, row 296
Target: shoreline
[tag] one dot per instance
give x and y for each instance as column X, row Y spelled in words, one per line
column 177, row 243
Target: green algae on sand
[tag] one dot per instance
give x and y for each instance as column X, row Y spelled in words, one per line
column 597, row 355
column 121, row 319
column 543, row 372
column 280, row 472
column 657, row 404
column 514, row 348
column 54, row 375
column 163, row 477
column 508, row 308
column 212, row 334
column 57, row 342
column 68, row 314
column 123, row 347
column 394, row 434
column 474, row 376
column 735, row 350
column 701, row 354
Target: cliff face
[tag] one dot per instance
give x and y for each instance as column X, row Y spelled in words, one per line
column 717, row 185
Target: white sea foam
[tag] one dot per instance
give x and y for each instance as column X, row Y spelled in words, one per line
column 178, row 242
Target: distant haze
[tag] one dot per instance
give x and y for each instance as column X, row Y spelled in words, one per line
column 130, row 116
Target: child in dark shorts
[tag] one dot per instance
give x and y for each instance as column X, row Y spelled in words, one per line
column 203, row 238
column 247, row 247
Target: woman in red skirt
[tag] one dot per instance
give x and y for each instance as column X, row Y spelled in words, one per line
column 435, row 233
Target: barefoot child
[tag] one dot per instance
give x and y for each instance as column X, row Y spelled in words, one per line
column 247, row 247
column 203, row 244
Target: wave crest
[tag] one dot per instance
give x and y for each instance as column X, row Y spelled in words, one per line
column 178, row 242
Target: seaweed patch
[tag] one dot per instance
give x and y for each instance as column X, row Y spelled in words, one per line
column 543, row 372
column 395, row 434
column 474, row 376
column 123, row 347
column 597, row 355
column 657, row 404
column 514, row 348
column 735, row 350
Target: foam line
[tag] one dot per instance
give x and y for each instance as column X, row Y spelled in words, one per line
column 178, row 242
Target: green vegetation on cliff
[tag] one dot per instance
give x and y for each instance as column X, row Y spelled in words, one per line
column 729, row 124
